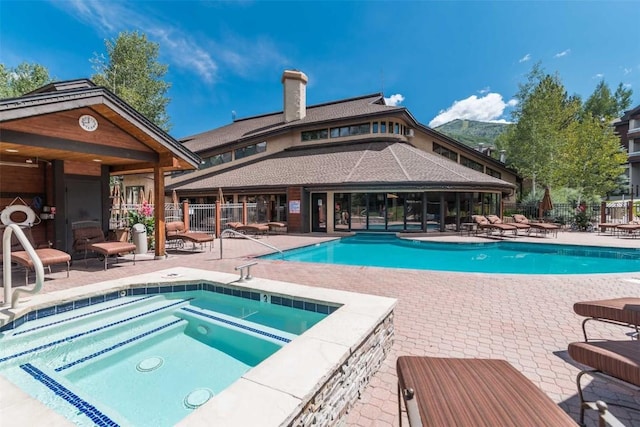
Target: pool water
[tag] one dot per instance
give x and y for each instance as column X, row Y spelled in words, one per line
column 487, row 257
column 146, row 360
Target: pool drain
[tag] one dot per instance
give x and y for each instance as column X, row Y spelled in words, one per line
column 197, row 397
column 150, row 364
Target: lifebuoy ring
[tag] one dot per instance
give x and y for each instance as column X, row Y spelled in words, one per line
column 30, row 215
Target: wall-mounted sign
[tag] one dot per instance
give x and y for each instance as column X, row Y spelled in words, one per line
column 88, row 123
column 294, row 206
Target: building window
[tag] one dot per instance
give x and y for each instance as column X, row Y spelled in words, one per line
column 465, row 161
column 359, row 129
column 390, row 127
column 439, row 149
column 216, row 160
column 375, row 127
column 250, row 150
column 383, row 127
column 493, row 173
column 314, row 135
column 397, row 128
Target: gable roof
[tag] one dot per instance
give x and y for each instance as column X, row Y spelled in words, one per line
column 268, row 124
column 82, row 94
column 382, row 163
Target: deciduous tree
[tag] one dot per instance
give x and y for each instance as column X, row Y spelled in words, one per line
column 131, row 70
column 22, row 79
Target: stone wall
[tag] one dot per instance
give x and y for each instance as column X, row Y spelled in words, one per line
column 330, row 405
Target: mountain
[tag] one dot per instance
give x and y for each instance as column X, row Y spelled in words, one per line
column 472, row 133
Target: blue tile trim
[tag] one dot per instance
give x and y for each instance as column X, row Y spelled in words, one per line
column 83, row 406
column 79, row 316
column 237, row 325
column 118, row 345
column 91, row 331
column 156, row 288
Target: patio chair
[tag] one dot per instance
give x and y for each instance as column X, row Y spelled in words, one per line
column 539, row 227
column 89, row 237
column 495, row 219
column 486, row 225
column 177, row 232
column 631, row 228
column 615, row 361
column 254, row 228
column 472, row 392
column 618, row 311
column 48, row 256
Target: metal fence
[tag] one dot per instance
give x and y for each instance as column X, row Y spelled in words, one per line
column 202, row 217
column 565, row 213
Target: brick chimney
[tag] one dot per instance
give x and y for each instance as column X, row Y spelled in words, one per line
column 295, row 95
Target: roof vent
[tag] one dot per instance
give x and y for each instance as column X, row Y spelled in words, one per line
column 295, row 95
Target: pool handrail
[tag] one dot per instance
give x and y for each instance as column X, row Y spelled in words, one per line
column 10, row 297
column 229, row 231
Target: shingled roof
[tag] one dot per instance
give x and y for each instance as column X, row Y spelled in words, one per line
column 259, row 126
column 395, row 164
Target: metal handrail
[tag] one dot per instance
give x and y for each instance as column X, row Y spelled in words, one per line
column 228, row 231
column 6, row 260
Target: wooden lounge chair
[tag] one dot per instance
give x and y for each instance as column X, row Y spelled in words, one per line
column 495, row 219
column 472, row 392
column 617, row 361
column 89, row 237
column 177, row 232
column 618, row 311
column 629, row 229
column 48, row 256
column 539, row 227
column 486, row 225
column 253, row 228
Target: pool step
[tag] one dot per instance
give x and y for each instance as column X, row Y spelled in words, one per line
column 257, row 330
column 93, row 329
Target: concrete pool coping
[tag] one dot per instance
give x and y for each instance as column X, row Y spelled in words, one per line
column 273, row 392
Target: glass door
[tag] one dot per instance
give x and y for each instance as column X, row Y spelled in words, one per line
column 319, row 212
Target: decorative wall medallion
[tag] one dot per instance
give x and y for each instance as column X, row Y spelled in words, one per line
column 88, row 123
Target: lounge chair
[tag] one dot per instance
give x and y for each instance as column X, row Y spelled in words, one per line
column 472, row 392
column 618, row 311
column 89, row 237
column 177, row 232
column 629, row 229
column 253, row 228
column 616, row 361
column 485, row 224
column 495, row 219
column 48, row 256
column 540, row 227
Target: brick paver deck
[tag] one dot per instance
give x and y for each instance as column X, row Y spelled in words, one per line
column 527, row 320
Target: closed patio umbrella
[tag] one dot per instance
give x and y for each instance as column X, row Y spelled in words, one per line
column 545, row 204
column 141, row 197
column 150, row 197
column 174, row 199
column 220, row 195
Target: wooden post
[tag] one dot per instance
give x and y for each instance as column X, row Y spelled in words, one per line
column 244, row 212
column 158, row 212
column 603, row 212
column 185, row 214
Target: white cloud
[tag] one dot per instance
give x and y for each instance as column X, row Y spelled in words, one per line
column 394, row 100
column 488, row 108
column 181, row 48
column 626, row 70
column 563, row 53
column 598, row 76
column 485, row 90
column 525, row 58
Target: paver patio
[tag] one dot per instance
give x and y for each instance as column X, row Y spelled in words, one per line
column 527, row 320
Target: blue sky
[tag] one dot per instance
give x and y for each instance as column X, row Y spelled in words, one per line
column 442, row 60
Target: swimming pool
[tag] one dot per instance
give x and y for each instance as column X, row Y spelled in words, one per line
column 187, row 347
column 487, row 257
